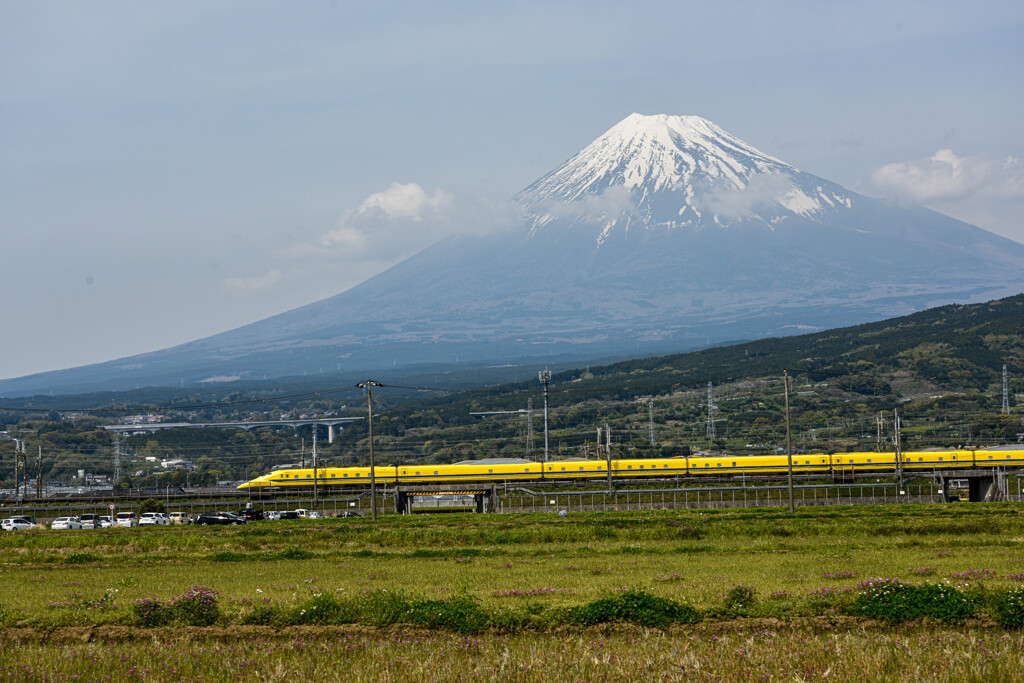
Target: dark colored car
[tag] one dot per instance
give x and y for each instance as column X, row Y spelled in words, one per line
column 220, row 518
column 349, row 513
column 290, row 514
column 251, row 514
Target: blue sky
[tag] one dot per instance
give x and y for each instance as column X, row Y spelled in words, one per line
column 172, row 170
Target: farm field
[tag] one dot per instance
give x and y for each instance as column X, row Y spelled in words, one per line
column 659, row 595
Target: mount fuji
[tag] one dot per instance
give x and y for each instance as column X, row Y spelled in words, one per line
column 664, row 234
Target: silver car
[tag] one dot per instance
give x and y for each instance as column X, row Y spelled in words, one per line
column 15, row 524
column 64, row 523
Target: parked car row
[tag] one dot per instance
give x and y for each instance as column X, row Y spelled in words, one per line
column 132, row 519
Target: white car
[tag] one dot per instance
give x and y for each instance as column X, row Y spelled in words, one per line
column 127, row 519
column 105, row 522
column 15, row 524
column 66, row 523
column 153, row 519
column 89, row 521
column 180, row 518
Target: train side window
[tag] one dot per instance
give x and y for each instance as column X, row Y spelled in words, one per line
column 581, row 469
column 599, row 467
column 734, row 464
column 490, row 471
column 920, row 459
column 718, row 465
column 629, row 467
column 309, row 476
column 563, row 469
column 664, row 467
column 839, row 461
column 333, row 475
column 436, row 472
column 807, row 462
column 940, row 460
column 990, row 457
column 344, row 476
column 417, row 473
column 641, row 466
column 357, row 474
column 705, row 464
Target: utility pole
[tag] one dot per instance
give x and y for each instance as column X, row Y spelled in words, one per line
column 650, row 420
column 607, row 450
column 18, row 445
column 369, row 385
column 1006, row 392
column 39, row 473
column 316, row 484
column 880, row 424
column 545, row 378
column 529, row 427
column 302, row 454
column 711, row 418
column 117, row 458
column 789, row 446
column 896, row 439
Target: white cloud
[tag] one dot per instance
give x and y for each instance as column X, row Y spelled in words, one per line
column 616, row 201
column 406, row 201
column 988, row 193
column 252, row 285
column 737, row 202
column 946, row 177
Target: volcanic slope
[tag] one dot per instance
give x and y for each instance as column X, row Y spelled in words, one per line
column 665, row 233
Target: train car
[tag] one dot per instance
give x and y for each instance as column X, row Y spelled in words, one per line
column 937, row 459
column 803, row 463
column 469, row 472
column 664, row 467
column 999, row 456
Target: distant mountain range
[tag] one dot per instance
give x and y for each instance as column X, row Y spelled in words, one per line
column 664, row 234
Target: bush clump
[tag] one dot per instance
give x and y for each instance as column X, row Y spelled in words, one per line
column 634, row 606
column 196, row 607
column 461, row 614
column 893, row 601
column 1008, row 609
column 323, row 608
column 80, row 558
column 150, row 612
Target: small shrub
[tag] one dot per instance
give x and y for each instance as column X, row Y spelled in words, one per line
column 150, row 612
column 461, row 613
column 894, row 601
column 323, row 608
column 634, row 606
column 197, row 606
column 1008, row 609
column 265, row 615
column 381, row 607
column 228, row 556
column 295, row 554
column 740, row 597
column 80, row 558
column 151, row 505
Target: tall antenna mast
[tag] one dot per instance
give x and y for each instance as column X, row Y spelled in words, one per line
column 529, row 426
column 650, row 420
column 711, row 417
column 1006, row 392
column 545, row 378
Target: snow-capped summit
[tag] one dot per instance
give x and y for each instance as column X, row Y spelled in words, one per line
column 674, row 171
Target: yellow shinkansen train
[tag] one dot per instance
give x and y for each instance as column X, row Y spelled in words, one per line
column 690, row 467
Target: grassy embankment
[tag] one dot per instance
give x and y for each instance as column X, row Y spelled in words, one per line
column 525, row 586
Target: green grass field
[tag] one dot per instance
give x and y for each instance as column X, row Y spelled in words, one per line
column 507, row 597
